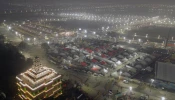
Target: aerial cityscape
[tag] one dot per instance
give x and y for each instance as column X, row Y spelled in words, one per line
column 87, row 50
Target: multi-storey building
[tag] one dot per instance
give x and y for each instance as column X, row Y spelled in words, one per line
column 38, row 82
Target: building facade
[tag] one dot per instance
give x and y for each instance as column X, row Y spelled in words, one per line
column 38, row 82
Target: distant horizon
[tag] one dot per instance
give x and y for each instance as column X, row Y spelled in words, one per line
column 171, row 2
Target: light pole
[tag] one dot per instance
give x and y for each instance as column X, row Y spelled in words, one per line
column 9, row 28
column 16, row 33
column 56, row 35
column 162, row 98
column 85, row 31
column 135, row 34
column 158, row 37
column 130, row 89
column 129, row 41
column 124, row 38
column 139, row 40
column 28, row 39
column 120, row 75
column 146, row 35
column 34, row 39
column 152, row 80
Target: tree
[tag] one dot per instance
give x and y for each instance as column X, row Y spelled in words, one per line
column 12, row 63
column 2, row 39
column 23, row 45
column 45, row 46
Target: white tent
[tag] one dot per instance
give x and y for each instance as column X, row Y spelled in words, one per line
column 114, row 74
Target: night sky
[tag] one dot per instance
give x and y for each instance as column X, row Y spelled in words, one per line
column 97, row 1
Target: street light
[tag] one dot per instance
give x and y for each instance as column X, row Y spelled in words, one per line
column 130, row 88
column 120, row 73
column 105, row 70
column 146, row 35
column 56, row 35
column 85, row 31
column 9, row 28
column 16, row 33
column 163, row 43
column 135, row 34
column 158, row 37
column 129, row 41
column 28, row 39
column 163, row 98
column 139, row 40
column 152, row 80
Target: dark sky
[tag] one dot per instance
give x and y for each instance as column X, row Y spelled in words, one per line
column 100, row 1
column 128, row 1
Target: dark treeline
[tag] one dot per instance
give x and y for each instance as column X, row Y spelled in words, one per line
column 12, row 63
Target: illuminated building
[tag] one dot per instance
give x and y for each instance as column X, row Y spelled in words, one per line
column 38, row 82
column 70, row 33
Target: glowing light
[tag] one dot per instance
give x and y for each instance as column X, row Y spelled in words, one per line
column 130, row 88
column 152, row 80
column 9, row 28
column 124, row 38
column 118, row 62
column 135, row 34
column 163, row 98
column 120, row 72
column 129, row 41
column 28, row 39
column 85, row 31
column 139, row 40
